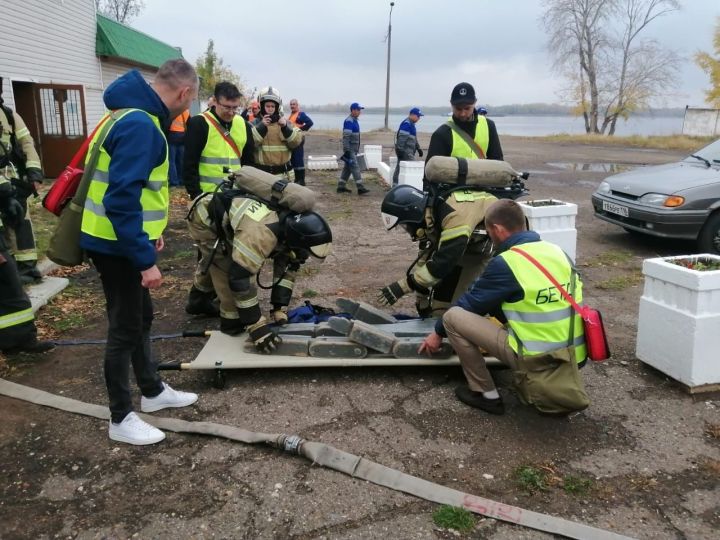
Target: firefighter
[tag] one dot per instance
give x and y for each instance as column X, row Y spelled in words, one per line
column 17, row 322
column 215, row 140
column 453, row 251
column 275, row 137
column 20, row 177
column 236, row 233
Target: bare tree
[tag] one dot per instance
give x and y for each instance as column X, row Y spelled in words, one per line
column 611, row 71
column 711, row 66
column 122, row 11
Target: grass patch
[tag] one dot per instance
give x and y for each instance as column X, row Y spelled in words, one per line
column 453, row 517
column 575, row 485
column 310, row 293
column 665, row 142
column 182, row 254
column 611, row 258
column 619, row 283
column 531, row 479
column 61, row 320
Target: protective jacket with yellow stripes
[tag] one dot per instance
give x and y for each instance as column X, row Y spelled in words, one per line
column 17, row 323
column 249, row 236
column 455, row 248
column 274, row 145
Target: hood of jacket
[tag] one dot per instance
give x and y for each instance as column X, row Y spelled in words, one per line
column 131, row 91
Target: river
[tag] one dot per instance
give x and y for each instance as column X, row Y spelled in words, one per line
column 512, row 125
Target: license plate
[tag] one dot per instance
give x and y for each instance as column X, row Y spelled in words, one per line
column 615, row 209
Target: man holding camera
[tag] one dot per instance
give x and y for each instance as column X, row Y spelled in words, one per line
column 275, row 138
column 20, row 176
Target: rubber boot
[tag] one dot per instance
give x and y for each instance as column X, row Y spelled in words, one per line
column 231, row 327
column 300, row 177
column 28, row 272
column 201, row 303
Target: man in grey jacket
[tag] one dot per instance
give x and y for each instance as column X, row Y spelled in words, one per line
column 351, row 147
column 406, row 143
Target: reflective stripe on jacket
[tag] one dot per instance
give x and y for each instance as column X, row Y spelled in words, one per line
column 541, row 320
column 218, row 154
column 482, row 138
column 154, row 198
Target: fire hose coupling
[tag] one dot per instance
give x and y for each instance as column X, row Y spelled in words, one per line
column 290, row 443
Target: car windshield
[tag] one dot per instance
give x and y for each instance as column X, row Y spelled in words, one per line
column 710, row 152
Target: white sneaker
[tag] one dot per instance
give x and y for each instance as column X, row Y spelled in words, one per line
column 167, row 398
column 133, row 430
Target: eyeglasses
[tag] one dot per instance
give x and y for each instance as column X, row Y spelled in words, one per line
column 229, row 108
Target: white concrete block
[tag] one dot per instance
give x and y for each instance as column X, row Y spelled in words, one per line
column 411, row 173
column 322, row 163
column 385, row 173
column 554, row 221
column 373, row 155
column 393, row 161
column 679, row 321
column 41, row 293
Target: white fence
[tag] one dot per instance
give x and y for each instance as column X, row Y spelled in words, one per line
column 701, row 122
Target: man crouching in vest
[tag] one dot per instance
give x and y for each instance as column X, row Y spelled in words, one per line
column 236, row 233
column 124, row 217
column 538, row 320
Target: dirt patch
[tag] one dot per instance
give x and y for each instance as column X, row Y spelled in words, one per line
column 643, row 459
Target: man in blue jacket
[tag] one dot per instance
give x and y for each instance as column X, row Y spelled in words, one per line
column 351, row 148
column 125, row 213
column 406, row 143
column 537, row 318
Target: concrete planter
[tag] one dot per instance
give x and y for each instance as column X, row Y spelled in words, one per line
column 373, row 155
column 322, row 163
column 411, row 173
column 679, row 322
column 554, row 221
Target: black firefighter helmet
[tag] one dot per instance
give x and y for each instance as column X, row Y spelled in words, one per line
column 403, row 205
column 308, row 231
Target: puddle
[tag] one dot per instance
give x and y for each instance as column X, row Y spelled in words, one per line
column 592, row 167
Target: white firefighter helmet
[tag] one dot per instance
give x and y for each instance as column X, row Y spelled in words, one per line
column 270, row 93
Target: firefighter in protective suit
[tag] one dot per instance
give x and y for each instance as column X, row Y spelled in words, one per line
column 20, row 176
column 275, row 138
column 453, row 247
column 236, row 232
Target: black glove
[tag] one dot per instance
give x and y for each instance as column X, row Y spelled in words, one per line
column 34, row 175
column 23, row 188
column 12, row 212
column 393, row 292
column 420, row 152
column 265, row 338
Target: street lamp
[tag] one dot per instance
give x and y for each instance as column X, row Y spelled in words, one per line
column 387, row 80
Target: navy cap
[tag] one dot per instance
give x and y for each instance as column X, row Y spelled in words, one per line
column 356, row 106
column 416, row 111
column 463, row 94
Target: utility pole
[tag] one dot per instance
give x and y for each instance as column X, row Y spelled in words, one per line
column 387, row 80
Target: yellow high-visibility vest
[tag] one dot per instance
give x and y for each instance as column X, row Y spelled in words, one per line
column 218, row 154
column 154, row 197
column 540, row 322
column 462, row 149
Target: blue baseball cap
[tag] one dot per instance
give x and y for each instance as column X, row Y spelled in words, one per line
column 416, row 111
column 356, row 106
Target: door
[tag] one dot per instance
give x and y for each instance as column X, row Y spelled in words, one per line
column 61, row 124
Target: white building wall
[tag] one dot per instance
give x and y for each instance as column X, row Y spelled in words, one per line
column 52, row 41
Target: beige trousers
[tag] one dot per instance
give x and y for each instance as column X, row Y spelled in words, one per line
column 468, row 334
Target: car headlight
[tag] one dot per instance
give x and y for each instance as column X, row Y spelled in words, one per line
column 604, row 187
column 659, row 199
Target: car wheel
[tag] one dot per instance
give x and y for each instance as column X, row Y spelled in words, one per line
column 709, row 238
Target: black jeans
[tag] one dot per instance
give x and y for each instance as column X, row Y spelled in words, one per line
column 130, row 314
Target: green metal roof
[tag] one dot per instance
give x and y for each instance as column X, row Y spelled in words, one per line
column 119, row 41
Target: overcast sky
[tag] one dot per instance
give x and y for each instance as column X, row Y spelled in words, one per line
column 328, row 51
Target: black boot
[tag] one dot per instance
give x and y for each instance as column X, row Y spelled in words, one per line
column 300, row 177
column 231, row 327
column 34, row 347
column 201, row 303
column 28, row 272
column 362, row 190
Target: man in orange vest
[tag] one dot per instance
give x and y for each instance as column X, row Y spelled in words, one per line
column 302, row 121
column 176, row 145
